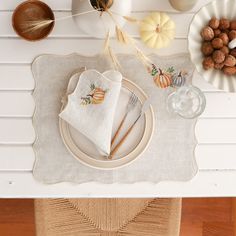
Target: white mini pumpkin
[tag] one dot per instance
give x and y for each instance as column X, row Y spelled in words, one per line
column 157, row 30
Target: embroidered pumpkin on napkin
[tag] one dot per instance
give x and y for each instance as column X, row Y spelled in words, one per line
column 96, row 96
column 91, row 106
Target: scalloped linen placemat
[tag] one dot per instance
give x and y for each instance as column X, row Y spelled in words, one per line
column 170, row 155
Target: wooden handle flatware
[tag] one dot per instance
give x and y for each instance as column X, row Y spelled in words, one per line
column 118, row 131
column 145, row 106
column 130, row 106
column 116, row 148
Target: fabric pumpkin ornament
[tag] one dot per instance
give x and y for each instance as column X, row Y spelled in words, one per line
column 157, row 30
column 162, row 79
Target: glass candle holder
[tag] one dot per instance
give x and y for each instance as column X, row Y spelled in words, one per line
column 188, row 102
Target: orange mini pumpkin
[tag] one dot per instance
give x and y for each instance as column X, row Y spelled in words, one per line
column 163, row 80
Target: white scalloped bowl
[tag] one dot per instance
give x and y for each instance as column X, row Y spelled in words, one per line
column 219, row 9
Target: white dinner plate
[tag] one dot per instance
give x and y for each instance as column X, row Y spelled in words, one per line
column 219, row 9
column 136, row 143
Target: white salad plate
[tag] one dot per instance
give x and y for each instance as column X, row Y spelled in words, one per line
column 135, row 144
column 218, row 9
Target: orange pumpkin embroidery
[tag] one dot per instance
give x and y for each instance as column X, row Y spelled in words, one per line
column 96, row 96
column 167, row 78
column 163, row 79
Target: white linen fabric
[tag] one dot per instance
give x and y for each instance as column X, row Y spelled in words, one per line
column 170, row 155
column 91, row 107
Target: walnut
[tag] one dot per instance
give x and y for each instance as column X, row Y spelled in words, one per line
column 218, row 56
column 208, row 63
column 217, row 43
column 233, row 52
column 225, row 50
column 230, row 61
column 214, row 23
column 225, row 31
column 233, row 25
column 224, row 38
column 229, row 70
column 232, row 34
column 207, row 48
column 207, row 33
column 219, row 66
column 215, row 46
column 217, row 32
column 224, row 24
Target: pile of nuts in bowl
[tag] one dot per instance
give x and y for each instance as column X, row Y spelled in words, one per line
column 215, row 47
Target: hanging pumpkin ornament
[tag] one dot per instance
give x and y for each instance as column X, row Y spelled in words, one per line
column 163, row 79
column 178, row 80
column 157, row 30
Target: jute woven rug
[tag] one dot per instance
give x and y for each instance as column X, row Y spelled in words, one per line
column 93, row 217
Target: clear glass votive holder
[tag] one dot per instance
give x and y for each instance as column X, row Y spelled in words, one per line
column 188, row 102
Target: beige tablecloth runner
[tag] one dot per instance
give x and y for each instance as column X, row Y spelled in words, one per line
column 170, row 155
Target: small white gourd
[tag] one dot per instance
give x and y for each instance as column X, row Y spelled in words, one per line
column 157, row 30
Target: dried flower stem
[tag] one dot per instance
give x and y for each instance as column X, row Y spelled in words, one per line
column 131, row 19
column 128, row 18
column 125, row 38
column 107, row 41
column 109, row 51
column 114, row 59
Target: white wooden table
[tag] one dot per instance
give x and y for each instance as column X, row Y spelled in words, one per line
column 215, row 130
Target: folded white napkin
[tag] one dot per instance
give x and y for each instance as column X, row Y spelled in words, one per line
column 91, row 107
